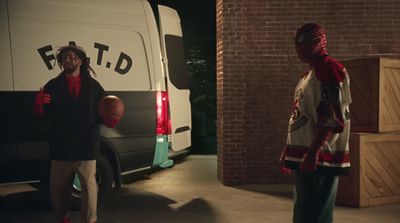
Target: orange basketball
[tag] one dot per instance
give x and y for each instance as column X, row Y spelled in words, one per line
column 111, row 107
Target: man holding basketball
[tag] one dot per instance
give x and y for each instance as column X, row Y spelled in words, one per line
column 71, row 101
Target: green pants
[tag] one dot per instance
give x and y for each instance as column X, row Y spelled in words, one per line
column 314, row 197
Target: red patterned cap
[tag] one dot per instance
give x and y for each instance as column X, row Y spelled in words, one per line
column 310, row 32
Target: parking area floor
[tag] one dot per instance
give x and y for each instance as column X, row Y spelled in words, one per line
column 188, row 192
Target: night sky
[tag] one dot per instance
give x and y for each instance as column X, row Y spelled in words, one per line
column 197, row 18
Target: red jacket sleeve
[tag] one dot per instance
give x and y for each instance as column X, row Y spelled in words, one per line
column 38, row 105
column 331, row 74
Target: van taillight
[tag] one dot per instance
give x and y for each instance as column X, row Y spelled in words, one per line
column 163, row 118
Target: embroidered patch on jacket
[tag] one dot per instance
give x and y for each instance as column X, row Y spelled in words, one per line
column 294, row 125
column 297, row 119
column 330, row 93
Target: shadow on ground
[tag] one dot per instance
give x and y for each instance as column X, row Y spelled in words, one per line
column 140, row 206
column 123, row 206
column 279, row 190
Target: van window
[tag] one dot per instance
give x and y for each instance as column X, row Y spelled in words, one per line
column 176, row 62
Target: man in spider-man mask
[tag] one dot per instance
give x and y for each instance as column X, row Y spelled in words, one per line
column 317, row 148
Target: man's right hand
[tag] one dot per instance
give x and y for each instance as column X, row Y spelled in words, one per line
column 111, row 122
column 310, row 160
column 41, row 99
column 282, row 166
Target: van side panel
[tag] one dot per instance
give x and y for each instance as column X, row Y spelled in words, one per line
column 24, row 150
column 8, row 143
column 115, row 39
column 8, row 149
column 134, row 137
column 6, row 82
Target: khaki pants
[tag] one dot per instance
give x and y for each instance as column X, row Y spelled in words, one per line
column 61, row 179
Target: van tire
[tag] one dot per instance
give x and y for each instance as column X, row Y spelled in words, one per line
column 104, row 178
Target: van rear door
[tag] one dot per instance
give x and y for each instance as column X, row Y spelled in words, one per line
column 177, row 79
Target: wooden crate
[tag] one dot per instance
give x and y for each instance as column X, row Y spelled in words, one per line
column 375, row 90
column 375, row 176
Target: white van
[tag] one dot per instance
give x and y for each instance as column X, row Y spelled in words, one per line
column 135, row 57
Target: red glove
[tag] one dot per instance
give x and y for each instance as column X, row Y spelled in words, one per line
column 283, row 168
column 111, row 122
column 309, row 162
column 41, row 99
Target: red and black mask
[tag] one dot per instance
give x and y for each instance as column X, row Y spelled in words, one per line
column 310, row 41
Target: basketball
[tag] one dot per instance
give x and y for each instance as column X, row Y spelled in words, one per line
column 111, row 108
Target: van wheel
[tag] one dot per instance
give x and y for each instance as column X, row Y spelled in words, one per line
column 104, row 178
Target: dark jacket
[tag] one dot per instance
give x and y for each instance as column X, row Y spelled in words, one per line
column 74, row 123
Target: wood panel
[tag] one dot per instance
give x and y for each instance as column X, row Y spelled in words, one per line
column 375, row 177
column 390, row 94
column 375, row 89
column 349, row 185
column 364, row 74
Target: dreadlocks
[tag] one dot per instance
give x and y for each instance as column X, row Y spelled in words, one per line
column 80, row 53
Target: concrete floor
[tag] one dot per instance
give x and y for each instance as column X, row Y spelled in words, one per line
column 188, row 192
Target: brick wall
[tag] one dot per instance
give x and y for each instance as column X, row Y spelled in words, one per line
column 257, row 70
